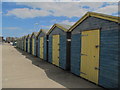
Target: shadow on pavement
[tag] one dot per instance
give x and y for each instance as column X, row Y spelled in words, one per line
column 59, row 75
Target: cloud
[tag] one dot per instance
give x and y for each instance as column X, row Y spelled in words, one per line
column 11, row 28
column 108, row 9
column 67, row 22
column 61, row 1
column 27, row 13
column 46, row 9
column 45, row 26
column 68, row 9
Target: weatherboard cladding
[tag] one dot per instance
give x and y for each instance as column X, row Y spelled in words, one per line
column 29, row 41
column 24, row 40
column 26, row 44
column 45, row 48
column 42, row 34
column 109, row 59
column 50, row 49
column 63, row 43
column 63, row 39
column 75, row 53
column 108, row 74
column 30, row 46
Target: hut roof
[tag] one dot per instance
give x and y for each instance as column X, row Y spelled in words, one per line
column 42, row 30
column 64, row 27
column 34, row 33
column 98, row 15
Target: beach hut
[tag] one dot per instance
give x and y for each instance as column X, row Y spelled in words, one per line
column 24, row 43
column 58, row 46
column 33, row 43
column 94, row 49
column 17, row 43
column 21, row 42
column 42, row 44
column 29, row 43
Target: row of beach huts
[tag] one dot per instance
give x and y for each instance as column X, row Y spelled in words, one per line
column 89, row 48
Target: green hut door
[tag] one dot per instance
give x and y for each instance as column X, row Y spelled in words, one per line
column 55, row 49
column 90, row 55
column 41, row 47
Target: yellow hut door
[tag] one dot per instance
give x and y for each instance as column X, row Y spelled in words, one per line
column 55, row 49
column 90, row 55
column 41, row 47
column 32, row 46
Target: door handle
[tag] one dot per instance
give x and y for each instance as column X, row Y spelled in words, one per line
column 97, row 46
column 96, row 68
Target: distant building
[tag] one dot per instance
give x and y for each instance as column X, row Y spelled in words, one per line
column 1, row 39
column 11, row 39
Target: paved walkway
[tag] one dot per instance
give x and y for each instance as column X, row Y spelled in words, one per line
column 22, row 70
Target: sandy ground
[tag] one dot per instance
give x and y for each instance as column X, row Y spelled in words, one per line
column 22, row 70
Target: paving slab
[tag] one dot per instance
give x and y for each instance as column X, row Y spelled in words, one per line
column 22, row 70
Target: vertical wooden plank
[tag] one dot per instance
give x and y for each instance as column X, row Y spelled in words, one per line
column 41, row 47
column 32, row 46
column 55, row 50
column 90, row 55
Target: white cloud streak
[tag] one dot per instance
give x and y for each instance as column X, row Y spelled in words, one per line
column 45, row 26
column 60, row 0
column 108, row 9
column 67, row 22
column 61, row 9
column 11, row 28
column 27, row 13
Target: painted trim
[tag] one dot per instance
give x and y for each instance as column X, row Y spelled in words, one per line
column 56, row 25
column 33, row 34
column 98, row 15
column 41, row 30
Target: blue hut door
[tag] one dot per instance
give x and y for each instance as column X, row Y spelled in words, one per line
column 90, row 55
column 41, row 47
column 55, row 49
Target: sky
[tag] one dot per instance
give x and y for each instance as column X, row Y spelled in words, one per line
column 23, row 18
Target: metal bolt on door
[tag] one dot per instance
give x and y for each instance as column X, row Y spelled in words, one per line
column 41, row 47
column 55, row 49
column 90, row 55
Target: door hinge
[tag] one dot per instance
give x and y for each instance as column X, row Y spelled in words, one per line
column 83, row 54
column 84, row 35
column 83, row 73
